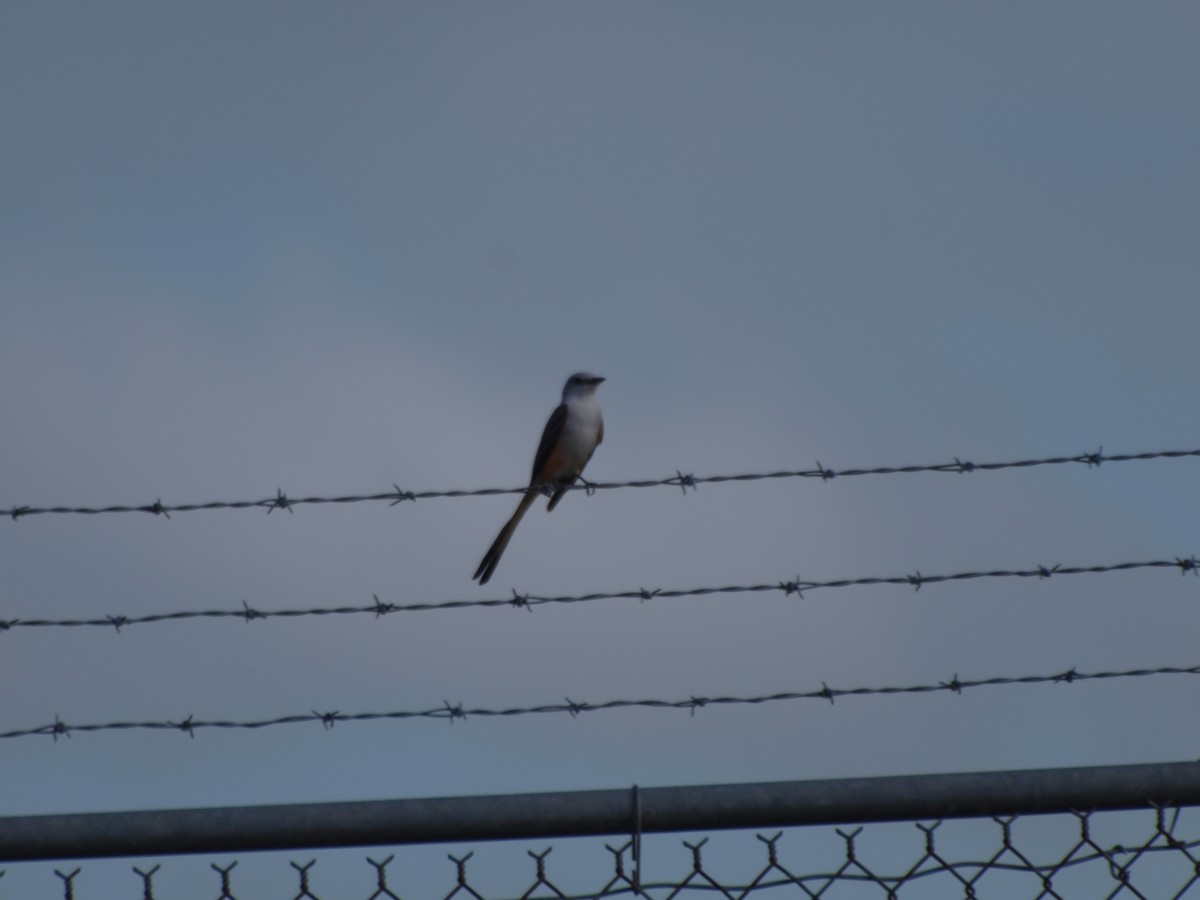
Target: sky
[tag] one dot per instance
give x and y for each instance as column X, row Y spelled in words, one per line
column 339, row 249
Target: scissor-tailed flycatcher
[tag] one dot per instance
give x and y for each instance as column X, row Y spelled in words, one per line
column 572, row 435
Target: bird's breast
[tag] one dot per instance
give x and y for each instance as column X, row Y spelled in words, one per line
column 580, row 432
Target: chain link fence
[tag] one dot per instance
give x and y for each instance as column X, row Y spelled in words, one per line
column 1098, row 832
column 1153, row 853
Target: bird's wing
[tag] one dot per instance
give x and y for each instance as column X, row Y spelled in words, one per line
column 550, row 437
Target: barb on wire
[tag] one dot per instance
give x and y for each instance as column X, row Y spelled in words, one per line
column 574, row 708
column 680, row 479
column 797, row 586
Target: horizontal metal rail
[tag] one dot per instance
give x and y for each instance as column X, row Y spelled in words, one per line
column 625, row 811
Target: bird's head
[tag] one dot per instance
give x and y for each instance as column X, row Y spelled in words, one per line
column 581, row 384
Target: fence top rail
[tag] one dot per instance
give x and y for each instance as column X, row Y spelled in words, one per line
column 631, row 811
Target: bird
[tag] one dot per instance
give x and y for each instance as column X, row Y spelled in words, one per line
column 572, row 434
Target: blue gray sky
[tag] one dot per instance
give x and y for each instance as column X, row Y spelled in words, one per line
column 332, row 248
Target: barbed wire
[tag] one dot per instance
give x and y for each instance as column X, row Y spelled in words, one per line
column 456, row 711
column 797, row 586
column 680, row 480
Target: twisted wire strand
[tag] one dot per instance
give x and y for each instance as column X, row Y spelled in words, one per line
column 680, row 480
column 452, row 712
column 796, row 586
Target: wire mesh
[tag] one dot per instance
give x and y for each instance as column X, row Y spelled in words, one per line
column 1151, row 853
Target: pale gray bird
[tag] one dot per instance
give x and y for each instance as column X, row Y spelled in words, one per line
column 572, row 434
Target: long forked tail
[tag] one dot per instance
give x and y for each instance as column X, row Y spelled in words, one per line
column 488, row 565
